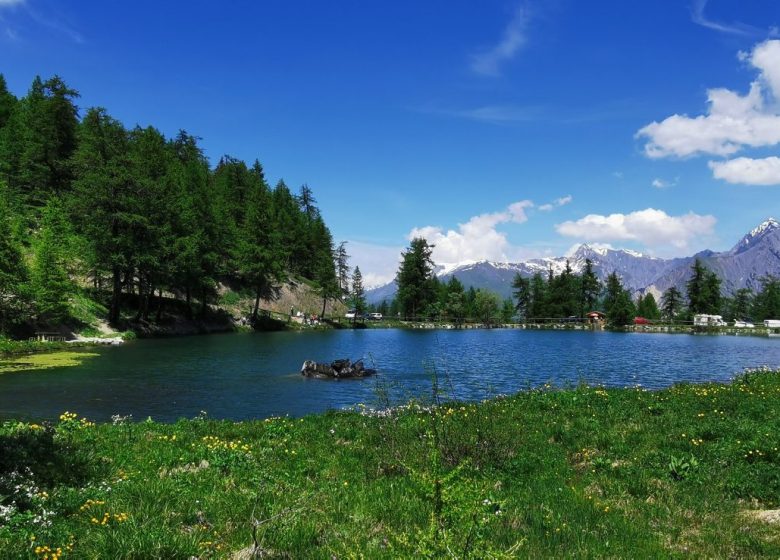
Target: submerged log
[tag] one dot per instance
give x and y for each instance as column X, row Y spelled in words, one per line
column 337, row 369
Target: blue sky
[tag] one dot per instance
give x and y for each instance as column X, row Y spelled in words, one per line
column 499, row 130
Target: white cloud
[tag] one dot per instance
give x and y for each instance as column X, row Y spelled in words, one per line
column 378, row 263
column 654, row 229
column 6, row 3
column 698, row 17
column 659, row 183
column 488, row 62
column 748, row 171
column 557, row 203
column 733, row 121
column 476, row 239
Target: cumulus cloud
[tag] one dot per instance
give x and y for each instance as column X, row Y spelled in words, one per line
column 378, row 263
column 654, row 229
column 488, row 62
column 558, row 202
column 748, row 171
column 477, row 239
column 733, row 121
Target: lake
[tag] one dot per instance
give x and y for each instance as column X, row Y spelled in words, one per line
column 255, row 375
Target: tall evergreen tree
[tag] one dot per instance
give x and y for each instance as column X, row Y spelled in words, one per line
column 590, row 287
column 13, row 273
column 647, row 307
column 51, row 286
column 342, row 268
column 521, row 290
column 671, row 303
column 741, row 304
column 617, row 302
column 259, row 249
column 102, row 202
column 357, row 297
column 7, row 102
column 766, row 303
column 414, row 278
column 47, row 140
column 703, row 289
column 538, row 306
column 196, row 243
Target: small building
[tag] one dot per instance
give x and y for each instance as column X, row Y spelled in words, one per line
column 596, row 317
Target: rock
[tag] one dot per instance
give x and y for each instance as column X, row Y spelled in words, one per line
column 338, row 369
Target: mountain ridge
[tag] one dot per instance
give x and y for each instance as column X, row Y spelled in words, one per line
column 755, row 255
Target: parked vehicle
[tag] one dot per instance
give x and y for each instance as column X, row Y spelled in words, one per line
column 743, row 325
column 375, row 316
column 703, row 320
column 772, row 323
column 350, row 314
column 642, row 321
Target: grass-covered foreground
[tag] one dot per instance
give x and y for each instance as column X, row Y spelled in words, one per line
column 585, row 472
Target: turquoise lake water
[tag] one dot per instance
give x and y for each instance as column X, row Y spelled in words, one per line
column 255, row 375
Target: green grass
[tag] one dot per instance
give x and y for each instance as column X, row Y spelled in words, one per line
column 583, row 472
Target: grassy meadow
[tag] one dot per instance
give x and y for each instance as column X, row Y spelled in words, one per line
column 582, row 472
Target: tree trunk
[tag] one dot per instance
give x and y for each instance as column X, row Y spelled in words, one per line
column 160, row 303
column 324, row 303
column 257, row 306
column 189, row 302
column 116, row 292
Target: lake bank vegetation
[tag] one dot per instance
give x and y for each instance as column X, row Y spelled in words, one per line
column 100, row 223
column 588, row 472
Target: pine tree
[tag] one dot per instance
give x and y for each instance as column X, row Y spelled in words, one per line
column 7, row 102
column 521, row 290
column 47, row 140
column 741, row 304
column 259, row 253
column 102, row 202
column 703, row 290
column 647, row 307
column 414, row 279
column 51, row 286
column 671, row 303
column 342, row 268
column 766, row 303
column 195, row 246
column 357, row 297
column 323, row 262
column 538, row 305
column 618, row 306
column 590, row 287
column 13, row 273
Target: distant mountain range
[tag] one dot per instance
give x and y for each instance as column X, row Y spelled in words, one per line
column 756, row 255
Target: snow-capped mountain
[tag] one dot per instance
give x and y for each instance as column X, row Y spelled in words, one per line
column 756, row 255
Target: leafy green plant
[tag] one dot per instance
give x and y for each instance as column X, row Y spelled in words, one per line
column 681, row 468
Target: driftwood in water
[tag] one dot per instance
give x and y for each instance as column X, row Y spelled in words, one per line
column 337, row 369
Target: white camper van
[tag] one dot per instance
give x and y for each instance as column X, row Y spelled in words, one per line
column 703, row 320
